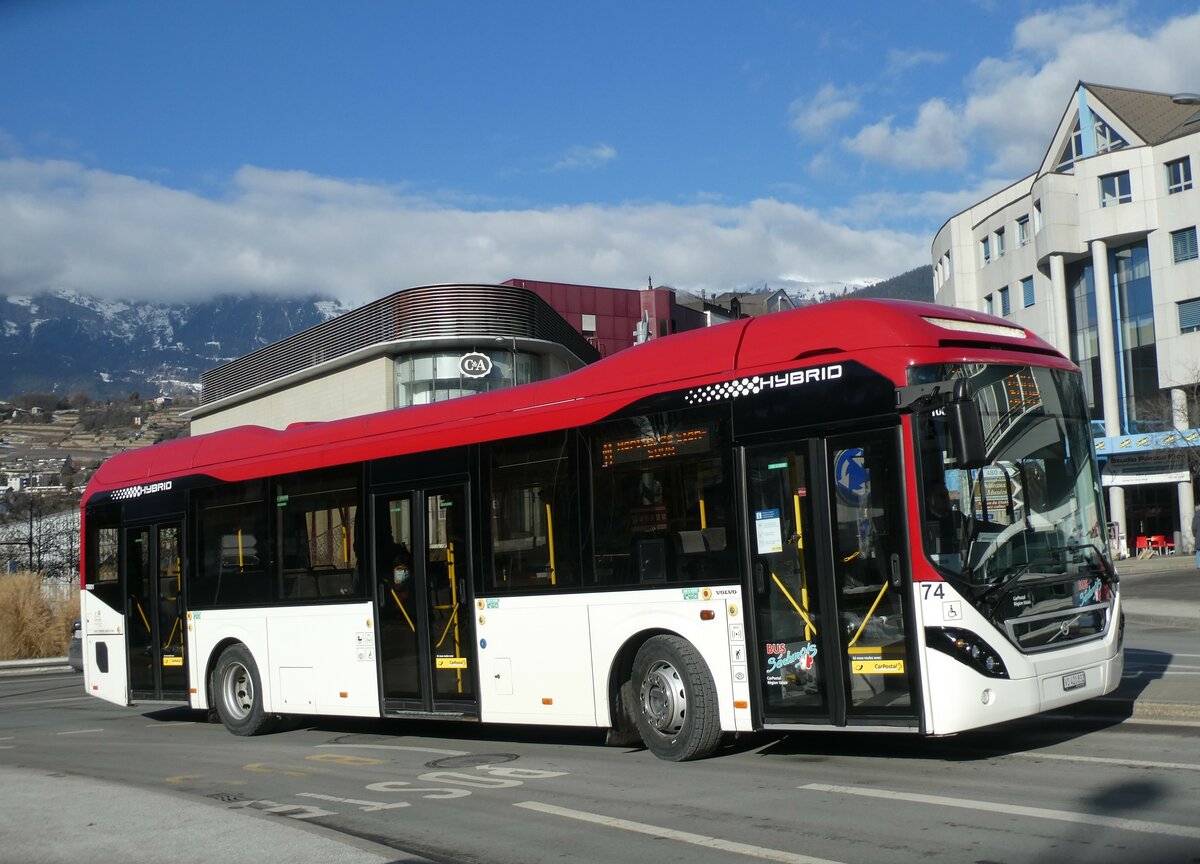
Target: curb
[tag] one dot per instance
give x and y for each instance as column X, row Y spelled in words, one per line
column 42, row 664
column 1153, row 619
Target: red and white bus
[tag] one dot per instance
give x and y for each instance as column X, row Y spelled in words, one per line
column 860, row 515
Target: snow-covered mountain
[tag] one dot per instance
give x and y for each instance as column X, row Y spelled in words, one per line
column 65, row 342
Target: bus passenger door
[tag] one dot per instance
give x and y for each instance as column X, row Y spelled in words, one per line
column 871, row 577
column 789, row 596
column 154, row 619
column 829, row 581
column 423, row 578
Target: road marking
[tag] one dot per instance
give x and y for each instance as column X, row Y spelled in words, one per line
column 1104, row 760
column 79, row 731
column 1138, row 825
column 671, row 834
column 365, row 806
column 401, row 747
column 260, row 768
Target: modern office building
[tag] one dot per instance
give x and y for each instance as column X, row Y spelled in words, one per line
column 1096, row 252
column 430, row 343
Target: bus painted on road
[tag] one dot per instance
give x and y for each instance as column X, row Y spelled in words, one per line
column 872, row 515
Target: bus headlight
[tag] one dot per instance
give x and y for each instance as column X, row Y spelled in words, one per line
column 967, row 647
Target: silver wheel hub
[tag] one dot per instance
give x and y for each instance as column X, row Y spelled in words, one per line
column 237, row 689
column 663, row 698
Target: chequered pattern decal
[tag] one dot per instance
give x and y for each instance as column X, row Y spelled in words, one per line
column 724, row 390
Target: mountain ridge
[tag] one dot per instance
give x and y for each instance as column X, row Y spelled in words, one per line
column 66, row 342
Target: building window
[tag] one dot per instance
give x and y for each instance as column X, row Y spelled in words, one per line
column 1027, row 291
column 1179, row 175
column 1023, row 231
column 999, row 242
column 1072, row 150
column 986, row 245
column 1114, row 189
column 1189, row 316
column 1107, row 138
column 1005, row 306
column 1037, row 215
column 987, row 305
column 1183, row 245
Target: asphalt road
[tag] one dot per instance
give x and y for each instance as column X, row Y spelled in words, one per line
column 1104, row 782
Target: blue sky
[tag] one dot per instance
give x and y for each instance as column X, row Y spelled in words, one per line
column 154, row 149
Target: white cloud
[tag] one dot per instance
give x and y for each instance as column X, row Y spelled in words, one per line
column 899, row 61
column 1013, row 102
column 817, row 117
column 63, row 225
column 580, row 158
column 933, row 142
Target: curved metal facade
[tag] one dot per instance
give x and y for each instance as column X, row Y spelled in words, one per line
column 430, row 311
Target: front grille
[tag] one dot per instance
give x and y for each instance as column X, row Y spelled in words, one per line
column 1047, row 630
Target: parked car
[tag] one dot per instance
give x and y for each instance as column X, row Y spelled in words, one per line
column 75, row 647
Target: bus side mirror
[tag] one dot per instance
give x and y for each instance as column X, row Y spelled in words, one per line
column 966, row 433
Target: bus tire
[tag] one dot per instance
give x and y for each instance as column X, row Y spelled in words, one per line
column 676, row 700
column 237, row 693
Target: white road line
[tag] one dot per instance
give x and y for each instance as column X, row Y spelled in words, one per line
column 1104, row 760
column 401, row 747
column 1139, row 825
column 671, row 834
column 79, row 731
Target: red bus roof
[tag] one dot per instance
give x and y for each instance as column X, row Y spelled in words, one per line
column 771, row 342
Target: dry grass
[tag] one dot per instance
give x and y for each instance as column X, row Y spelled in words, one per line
column 33, row 624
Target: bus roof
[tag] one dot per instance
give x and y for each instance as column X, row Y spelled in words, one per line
column 745, row 346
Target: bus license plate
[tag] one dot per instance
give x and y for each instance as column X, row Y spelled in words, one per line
column 1074, row 681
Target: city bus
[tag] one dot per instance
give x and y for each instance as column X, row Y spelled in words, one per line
column 862, row 515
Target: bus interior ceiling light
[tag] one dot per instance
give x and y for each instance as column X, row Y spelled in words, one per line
column 980, row 327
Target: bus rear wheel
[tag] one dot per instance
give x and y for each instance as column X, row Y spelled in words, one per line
column 237, row 692
column 676, row 700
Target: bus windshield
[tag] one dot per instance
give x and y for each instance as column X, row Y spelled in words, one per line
column 1035, row 510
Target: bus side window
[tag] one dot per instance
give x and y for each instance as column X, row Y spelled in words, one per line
column 534, row 514
column 231, row 535
column 660, row 502
column 317, row 532
column 103, row 543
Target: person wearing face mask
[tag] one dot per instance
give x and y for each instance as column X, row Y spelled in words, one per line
column 401, row 571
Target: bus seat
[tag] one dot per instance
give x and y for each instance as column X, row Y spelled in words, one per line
column 714, row 539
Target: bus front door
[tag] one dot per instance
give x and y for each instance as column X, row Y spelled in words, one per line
column 830, row 583
column 155, row 628
column 423, row 577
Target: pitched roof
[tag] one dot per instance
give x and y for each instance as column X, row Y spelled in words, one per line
column 1155, row 117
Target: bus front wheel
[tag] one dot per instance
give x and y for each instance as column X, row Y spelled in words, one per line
column 676, row 700
column 237, row 692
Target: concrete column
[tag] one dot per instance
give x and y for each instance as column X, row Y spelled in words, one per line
column 1187, row 496
column 1107, row 343
column 1187, row 505
column 1058, row 305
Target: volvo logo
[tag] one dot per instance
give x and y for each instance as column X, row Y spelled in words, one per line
column 475, row 365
